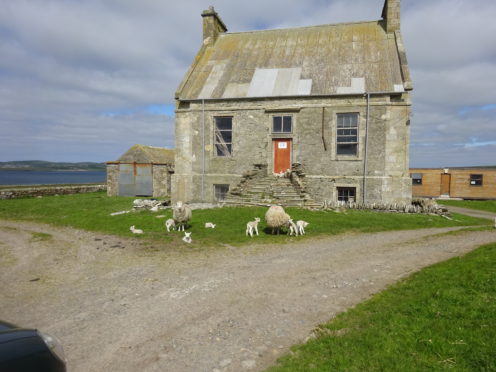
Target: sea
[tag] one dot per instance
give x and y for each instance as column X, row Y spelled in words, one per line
column 15, row 177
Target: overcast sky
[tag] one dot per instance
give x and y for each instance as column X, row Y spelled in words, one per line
column 84, row 80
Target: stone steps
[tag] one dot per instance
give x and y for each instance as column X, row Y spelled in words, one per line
column 268, row 191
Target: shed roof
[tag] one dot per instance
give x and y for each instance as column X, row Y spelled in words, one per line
column 346, row 58
column 147, row 155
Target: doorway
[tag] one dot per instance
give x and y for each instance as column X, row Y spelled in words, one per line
column 282, row 154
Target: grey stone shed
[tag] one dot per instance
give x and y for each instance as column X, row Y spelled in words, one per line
column 326, row 106
column 141, row 171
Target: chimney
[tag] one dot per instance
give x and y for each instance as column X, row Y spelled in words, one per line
column 212, row 25
column 391, row 15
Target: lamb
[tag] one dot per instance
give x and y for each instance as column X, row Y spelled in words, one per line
column 210, row 225
column 135, row 231
column 300, row 225
column 181, row 213
column 252, row 226
column 187, row 237
column 292, row 228
column 276, row 218
column 170, row 224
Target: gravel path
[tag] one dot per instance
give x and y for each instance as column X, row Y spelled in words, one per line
column 121, row 305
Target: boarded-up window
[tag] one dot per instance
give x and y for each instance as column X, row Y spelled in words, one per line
column 347, row 134
column 476, row 180
column 416, row 178
column 282, row 124
column 346, row 194
column 220, row 192
column 223, row 136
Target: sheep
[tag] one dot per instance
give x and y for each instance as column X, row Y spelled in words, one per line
column 276, row 218
column 292, row 228
column 170, row 224
column 181, row 213
column 187, row 237
column 210, row 225
column 252, row 226
column 135, row 231
column 300, row 225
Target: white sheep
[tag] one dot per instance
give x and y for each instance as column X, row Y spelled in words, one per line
column 181, row 213
column 276, row 218
column 187, row 237
column 292, row 228
column 170, row 224
column 210, row 225
column 252, row 226
column 135, row 231
column 300, row 225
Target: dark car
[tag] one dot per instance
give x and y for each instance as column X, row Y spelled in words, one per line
column 29, row 350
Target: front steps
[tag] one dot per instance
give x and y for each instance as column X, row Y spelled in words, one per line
column 271, row 190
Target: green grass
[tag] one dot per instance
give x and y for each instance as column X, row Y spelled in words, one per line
column 483, row 205
column 441, row 318
column 91, row 212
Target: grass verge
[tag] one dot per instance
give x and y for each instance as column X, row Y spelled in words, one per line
column 482, row 205
column 440, row 318
column 92, row 211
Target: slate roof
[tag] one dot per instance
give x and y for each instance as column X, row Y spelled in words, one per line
column 346, row 58
column 147, row 155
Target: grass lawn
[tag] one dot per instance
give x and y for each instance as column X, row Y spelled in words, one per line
column 483, row 205
column 91, row 212
column 441, row 318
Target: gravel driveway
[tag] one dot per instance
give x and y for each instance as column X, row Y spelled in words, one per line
column 122, row 305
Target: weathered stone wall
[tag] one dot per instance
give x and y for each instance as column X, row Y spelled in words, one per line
column 112, row 179
column 46, row 190
column 314, row 146
column 161, row 180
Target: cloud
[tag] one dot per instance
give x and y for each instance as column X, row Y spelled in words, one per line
column 85, row 80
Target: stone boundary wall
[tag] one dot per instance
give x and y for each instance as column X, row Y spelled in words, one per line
column 47, row 190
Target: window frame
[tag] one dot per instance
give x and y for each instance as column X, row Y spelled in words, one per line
column 476, row 180
column 346, row 188
column 419, row 179
column 218, row 145
column 343, row 127
column 282, row 116
column 218, row 191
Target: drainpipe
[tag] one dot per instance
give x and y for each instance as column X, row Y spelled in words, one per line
column 203, row 153
column 323, row 136
column 364, row 187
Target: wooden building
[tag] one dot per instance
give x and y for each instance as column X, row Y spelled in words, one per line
column 465, row 183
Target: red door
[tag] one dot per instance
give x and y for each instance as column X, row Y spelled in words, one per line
column 282, row 155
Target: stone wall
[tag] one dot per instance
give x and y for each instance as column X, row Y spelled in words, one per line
column 112, row 179
column 198, row 169
column 47, row 190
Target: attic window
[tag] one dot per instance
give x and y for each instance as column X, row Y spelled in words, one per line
column 347, row 134
column 223, row 136
column 476, row 180
column 282, row 124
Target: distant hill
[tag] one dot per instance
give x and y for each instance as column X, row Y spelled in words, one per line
column 40, row 165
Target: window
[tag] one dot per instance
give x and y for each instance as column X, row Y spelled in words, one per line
column 223, row 136
column 282, row 124
column 476, row 180
column 220, row 192
column 347, row 134
column 346, row 194
column 416, row 178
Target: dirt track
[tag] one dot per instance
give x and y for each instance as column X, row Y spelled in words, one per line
column 120, row 305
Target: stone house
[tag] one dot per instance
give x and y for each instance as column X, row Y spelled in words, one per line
column 141, row 171
column 455, row 182
column 328, row 106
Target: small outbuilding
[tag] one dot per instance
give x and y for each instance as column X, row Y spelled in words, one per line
column 458, row 182
column 141, row 171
